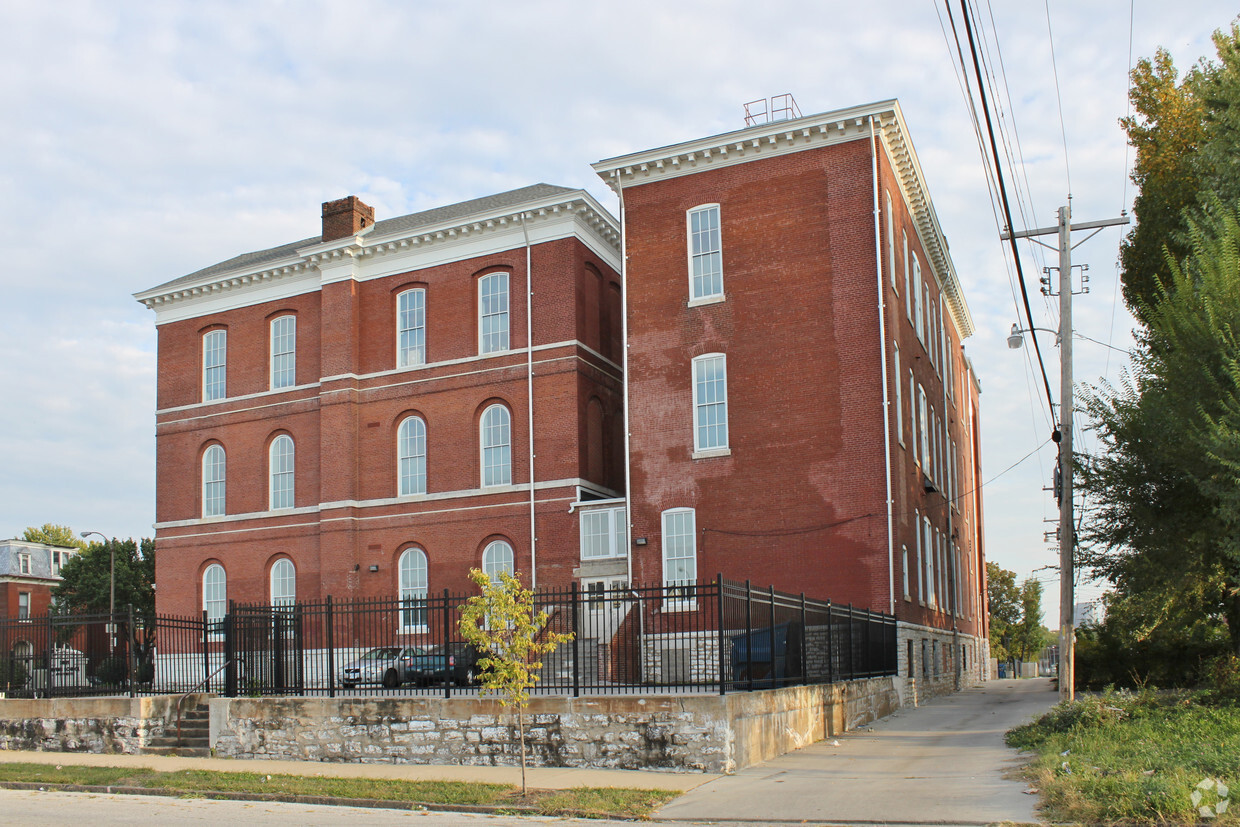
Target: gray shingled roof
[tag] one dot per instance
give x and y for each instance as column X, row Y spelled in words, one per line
column 400, row 224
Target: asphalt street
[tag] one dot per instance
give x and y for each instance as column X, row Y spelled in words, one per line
column 941, row 763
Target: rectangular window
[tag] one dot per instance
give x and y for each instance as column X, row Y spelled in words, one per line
column 891, row 244
column 921, row 556
column 904, row 567
column 493, row 313
column 918, row 311
column 912, row 412
column 908, row 287
column 705, row 254
column 710, row 403
column 23, row 563
column 23, row 604
column 283, row 352
column 411, row 328
column 602, row 534
column 895, row 359
column 214, row 348
column 679, row 552
column 923, row 423
column 928, row 545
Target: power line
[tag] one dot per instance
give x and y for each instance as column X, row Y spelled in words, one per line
column 1058, row 98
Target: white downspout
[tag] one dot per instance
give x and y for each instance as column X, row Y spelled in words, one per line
column 624, row 352
column 529, row 393
column 882, row 350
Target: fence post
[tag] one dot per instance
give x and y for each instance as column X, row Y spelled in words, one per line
column 230, row 663
column 330, row 629
column 869, row 667
column 830, row 643
column 771, row 635
column 852, row 642
column 575, row 603
column 748, row 636
column 47, row 658
column 804, row 644
column 719, row 607
column 446, row 638
column 206, row 653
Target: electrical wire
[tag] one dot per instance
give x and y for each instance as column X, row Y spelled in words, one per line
column 1058, row 98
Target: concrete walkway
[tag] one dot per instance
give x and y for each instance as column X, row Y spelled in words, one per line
column 941, row 763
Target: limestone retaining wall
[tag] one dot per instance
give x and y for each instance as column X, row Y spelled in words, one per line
column 101, row 725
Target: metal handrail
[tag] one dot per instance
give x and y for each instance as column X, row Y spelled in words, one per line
column 197, row 686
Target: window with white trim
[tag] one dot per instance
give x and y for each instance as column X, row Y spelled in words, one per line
column 895, row 358
column 283, row 352
column 705, row 253
column 411, row 456
column 921, row 556
column 928, row 530
column 283, row 584
column 918, row 297
column 215, row 598
column 23, row 605
column 496, row 440
column 891, row 244
column 497, row 557
column 412, row 584
column 603, row 533
column 710, row 402
column 912, row 414
column 923, row 421
column 411, row 328
column 214, row 364
column 493, row 313
column 904, row 568
column 281, row 464
column 213, row 481
column 680, row 550
column 908, row 284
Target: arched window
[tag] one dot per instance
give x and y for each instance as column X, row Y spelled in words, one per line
column 214, row 597
column 496, row 558
column 413, row 590
column 213, row 481
column 411, row 454
column 283, row 583
column 411, row 328
column 281, row 472
column 493, row 313
column 496, row 441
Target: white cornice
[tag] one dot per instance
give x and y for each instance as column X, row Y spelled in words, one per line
column 785, row 137
column 367, row 255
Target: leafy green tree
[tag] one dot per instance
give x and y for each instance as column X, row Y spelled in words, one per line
column 1004, row 601
column 53, row 535
column 1029, row 636
column 501, row 623
column 1164, row 524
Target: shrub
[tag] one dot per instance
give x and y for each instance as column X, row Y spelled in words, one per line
column 112, row 671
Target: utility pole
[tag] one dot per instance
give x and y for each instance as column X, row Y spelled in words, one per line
column 1067, row 525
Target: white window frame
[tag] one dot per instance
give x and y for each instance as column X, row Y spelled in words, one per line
column 918, row 320
column 283, row 352
column 23, row 605
column 411, row 327
column 895, row 358
column 711, row 251
column 23, row 563
column 412, row 580
column 608, row 532
column 214, row 481
column 496, row 557
column 912, row 415
column 908, row 284
column 283, row 583
column 932, row 597
column 495, row 447
column 891, row 243
column 921, row 558
column 215, row 599
column 214, row 365
column 411, row 456
column 493, row 306
column 281, row 467
column 701, row 409
column 679, row 591
column 904, row 563
column 923, row 414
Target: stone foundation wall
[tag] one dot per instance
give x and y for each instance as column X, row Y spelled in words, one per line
column 100, row 725
column 942, row 662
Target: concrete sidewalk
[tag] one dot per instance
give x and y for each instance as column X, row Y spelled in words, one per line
column 547, row 778
column 941, row 763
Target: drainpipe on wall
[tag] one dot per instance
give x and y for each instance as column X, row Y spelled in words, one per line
column 882, row 350
column 624, row 384
column 529, row 393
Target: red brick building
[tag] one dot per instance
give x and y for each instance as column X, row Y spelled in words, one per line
column 356, row 414
column 28, row 573
column 801, row 409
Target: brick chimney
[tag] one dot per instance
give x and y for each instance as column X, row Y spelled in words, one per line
column 345, row 217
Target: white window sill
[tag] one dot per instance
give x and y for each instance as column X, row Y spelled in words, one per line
column 712, row 452
column 412, row 630
column 705, row 300
column 680, row 605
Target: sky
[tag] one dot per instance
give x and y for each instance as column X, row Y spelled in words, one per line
column 144, row 141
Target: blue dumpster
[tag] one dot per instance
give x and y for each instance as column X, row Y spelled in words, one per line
column 752, row 656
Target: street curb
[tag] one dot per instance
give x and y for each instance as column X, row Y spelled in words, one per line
column 371, row 803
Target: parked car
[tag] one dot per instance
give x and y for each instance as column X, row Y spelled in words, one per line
column 461, row 667
column 383, row 665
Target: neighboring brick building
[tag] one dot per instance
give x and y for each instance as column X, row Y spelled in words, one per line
column 783, row 428
column 350, row 415
column 28, row 573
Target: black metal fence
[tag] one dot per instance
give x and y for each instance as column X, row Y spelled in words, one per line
column 719, row 636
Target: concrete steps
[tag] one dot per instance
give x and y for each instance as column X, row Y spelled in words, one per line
column 195, row 740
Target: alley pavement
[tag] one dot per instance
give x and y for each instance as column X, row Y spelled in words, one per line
column 941, row 763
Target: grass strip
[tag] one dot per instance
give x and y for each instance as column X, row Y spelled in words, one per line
column 1123, row 758
column 581, row 801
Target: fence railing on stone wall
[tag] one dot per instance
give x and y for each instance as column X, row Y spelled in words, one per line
column 717, row 636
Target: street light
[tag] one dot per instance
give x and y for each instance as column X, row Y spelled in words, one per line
column 111, row 578
column 1017, row 340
